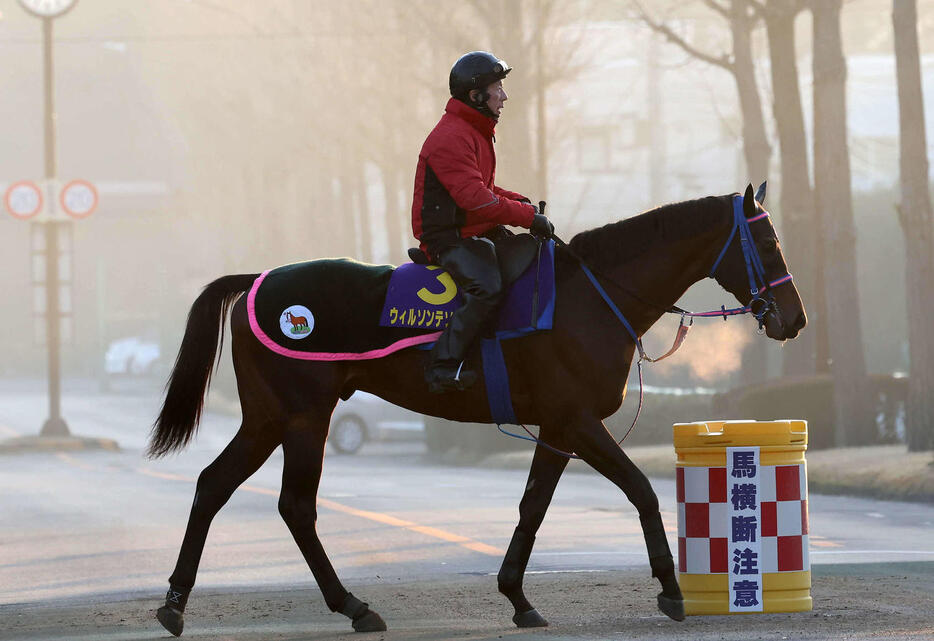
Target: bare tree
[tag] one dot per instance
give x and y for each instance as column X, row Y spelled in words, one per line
column 801, row 227
column 514, row 30
column 741, row 20
column 853, row 420
column 917, row 220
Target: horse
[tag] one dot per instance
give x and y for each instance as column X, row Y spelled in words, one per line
column 298, row 322
column 565, row 380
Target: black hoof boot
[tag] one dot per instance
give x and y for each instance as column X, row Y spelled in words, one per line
column 170, row 615
column 369, row 622
column 530, row 619
column 171, row 619
column 672, row 608
column 362, row 617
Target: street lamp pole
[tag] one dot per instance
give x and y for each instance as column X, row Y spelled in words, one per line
column 55, row 425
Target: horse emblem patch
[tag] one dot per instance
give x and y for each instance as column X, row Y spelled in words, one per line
column 296, row 321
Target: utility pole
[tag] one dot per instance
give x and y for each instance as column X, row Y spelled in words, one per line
column 55, row 429
column 55, row 425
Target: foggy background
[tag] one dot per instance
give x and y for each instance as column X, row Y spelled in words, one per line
column 234, row 137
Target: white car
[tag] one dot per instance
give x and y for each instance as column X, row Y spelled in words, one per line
column 131, row 356
column 365, row 417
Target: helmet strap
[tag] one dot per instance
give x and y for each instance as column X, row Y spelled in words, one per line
column 480, row 103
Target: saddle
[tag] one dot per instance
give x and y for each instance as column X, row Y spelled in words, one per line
column 515, row 254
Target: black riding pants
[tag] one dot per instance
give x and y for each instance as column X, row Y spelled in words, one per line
column 473, row 265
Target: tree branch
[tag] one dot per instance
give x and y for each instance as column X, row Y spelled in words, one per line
column 719, row 8
column 659, row 27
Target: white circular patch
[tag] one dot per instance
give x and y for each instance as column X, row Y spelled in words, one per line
column 296, row 321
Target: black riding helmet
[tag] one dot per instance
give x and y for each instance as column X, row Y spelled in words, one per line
column 476, row 70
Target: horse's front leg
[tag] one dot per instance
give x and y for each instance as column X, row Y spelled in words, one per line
column 596, row 446
column 544, row 473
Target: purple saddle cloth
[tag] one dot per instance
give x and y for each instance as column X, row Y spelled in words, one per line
column 425, row 297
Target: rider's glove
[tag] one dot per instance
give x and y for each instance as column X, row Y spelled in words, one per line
column 541, row 226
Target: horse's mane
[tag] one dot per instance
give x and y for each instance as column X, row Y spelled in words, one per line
column 627, row 239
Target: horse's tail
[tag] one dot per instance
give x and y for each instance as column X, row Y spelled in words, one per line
column 191, row 376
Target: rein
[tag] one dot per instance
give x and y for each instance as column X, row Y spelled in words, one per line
column 758, row 306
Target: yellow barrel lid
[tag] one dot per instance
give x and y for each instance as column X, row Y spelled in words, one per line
column 788, row 432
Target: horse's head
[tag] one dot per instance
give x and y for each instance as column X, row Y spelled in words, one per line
column 758, row 275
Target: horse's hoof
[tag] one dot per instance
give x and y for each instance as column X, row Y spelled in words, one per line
column 530, row 619
column 171, row 619
column 369, row 622
column 672, row 608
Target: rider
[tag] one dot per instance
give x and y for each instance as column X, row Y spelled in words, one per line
column 458, row 211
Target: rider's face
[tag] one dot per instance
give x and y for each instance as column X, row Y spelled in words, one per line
column 497, row 97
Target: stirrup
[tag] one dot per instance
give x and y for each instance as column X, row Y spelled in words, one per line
column 440, row 381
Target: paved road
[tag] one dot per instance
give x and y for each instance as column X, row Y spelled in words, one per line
column 106, row 522
column 92, row 526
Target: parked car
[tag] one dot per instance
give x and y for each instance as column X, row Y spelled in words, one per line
column 365, row 417
column 131, row 356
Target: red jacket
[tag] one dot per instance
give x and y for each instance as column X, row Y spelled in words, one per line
column 454, row 192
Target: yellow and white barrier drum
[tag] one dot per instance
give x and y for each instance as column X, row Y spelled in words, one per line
column 743, row 516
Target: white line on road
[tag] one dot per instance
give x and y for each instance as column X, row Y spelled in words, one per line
column 583, row 571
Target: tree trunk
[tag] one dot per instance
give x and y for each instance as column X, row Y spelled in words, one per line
column 395, row 218
column 796, row 200
column 853, row 420
column 362, row 205
column 345, row 213
column 755, row 141
column 516, row 169
column 755, row 148
column 915, row 214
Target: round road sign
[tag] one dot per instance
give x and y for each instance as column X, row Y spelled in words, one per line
column 79, row 198
column 23, row 199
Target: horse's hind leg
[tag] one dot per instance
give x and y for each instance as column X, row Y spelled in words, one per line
column 596, row 446
column 303, row 447
column 546, row 470
column 248, row 450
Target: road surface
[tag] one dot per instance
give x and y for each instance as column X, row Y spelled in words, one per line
column 89, row 538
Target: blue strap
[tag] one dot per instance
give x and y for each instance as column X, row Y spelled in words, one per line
column 754, row 265
column 497, row 382
column 726, row 245
column 611, row 304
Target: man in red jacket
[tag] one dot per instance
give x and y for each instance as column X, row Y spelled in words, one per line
column 458, row 211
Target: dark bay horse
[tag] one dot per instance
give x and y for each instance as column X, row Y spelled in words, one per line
column 566, row 381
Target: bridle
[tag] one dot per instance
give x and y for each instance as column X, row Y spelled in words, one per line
column 761, row 303
column 762, row 299
column 758, row 306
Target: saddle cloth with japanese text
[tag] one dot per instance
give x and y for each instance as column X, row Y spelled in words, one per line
column 341, row 309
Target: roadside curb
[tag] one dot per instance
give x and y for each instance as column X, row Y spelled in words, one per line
column 881, row 472
column 24, row 444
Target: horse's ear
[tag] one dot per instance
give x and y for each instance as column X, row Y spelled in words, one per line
column 760, row 193
column 749, row 203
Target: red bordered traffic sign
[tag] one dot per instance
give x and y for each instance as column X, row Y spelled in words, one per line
column 23, row 199
column 79, row 198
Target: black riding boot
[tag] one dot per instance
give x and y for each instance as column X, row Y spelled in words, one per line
column 473, row 266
